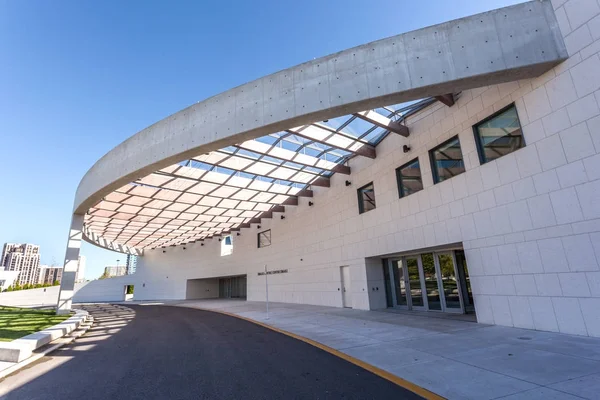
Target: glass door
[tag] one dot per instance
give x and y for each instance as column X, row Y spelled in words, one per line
column 399, row 279
column 430, row 281
column 432, row 288
column 465, row 281
column 415, row 285
column 449, row 283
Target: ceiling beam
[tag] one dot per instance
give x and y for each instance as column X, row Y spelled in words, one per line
column 447, row 99
column 292, row 201
column 375, row 118
column 341, row 169
column 322, row 182
column 266, row 214
column 305, row 193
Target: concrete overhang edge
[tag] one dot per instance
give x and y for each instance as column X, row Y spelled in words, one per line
column 384, row 72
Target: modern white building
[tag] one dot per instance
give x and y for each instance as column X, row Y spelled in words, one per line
column 452, row 169
column 23, row 258
column 7, row 278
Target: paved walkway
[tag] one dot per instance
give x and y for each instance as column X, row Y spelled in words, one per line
column 449, row 356
column 158, row 352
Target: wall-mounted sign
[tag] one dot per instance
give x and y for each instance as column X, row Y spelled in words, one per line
column 275, row 271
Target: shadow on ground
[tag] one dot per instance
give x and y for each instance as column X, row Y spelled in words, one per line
column 158, row 352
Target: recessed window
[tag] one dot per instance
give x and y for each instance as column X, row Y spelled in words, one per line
column 226, row 246
column 447, row 160
column 264, row 238
column 366, row 198
column 498, row 135
column 409, row 178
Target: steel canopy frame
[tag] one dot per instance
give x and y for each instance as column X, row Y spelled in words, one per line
column 230, row 188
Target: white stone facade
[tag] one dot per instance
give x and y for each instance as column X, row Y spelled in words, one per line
column 529, row 221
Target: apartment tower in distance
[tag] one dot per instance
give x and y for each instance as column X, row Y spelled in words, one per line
column 111, row 271
column 131, row 264
column 48, row 274
column 24, row 258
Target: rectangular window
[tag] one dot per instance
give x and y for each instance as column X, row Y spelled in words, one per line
column 446, row 160
column 226, row 246
column 499, row 134
column 409, row 178
column 264, row 238
column 366, row 198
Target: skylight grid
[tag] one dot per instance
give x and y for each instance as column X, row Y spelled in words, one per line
column 231, row 187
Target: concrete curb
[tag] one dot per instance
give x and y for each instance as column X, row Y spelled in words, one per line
column 49, row 348
column 21, row 349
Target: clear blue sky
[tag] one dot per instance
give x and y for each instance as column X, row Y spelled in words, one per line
column 78, row 77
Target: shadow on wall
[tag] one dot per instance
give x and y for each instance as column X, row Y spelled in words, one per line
column 104, row 290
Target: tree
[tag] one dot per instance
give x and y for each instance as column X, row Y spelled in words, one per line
column 56, row 283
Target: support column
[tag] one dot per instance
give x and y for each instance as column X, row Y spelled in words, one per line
column 67, row 284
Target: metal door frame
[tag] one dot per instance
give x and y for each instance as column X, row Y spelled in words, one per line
column 438, row 271
column 425, row 306
column 402, row 262
column 390, row 267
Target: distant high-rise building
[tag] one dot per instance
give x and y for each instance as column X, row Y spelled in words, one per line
column 112, row 270
column 80, row 275
column 47, row 275
column 23, row 258
column 131, row 264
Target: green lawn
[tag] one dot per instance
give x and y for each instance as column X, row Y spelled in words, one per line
column 19, row 322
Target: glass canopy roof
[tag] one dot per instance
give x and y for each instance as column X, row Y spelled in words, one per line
column 225, row 190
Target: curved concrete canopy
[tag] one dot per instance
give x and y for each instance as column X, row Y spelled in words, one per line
column 230, row 188
column 517, row 42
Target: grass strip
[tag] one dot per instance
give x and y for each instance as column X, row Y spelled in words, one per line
column 18, row 322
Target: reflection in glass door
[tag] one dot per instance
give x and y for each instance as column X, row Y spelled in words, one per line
column 431, row 282
column 399, row 282
column 414, row 281
column 449, row 282
column 465, row 281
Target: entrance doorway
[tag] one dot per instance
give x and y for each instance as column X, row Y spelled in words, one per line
column 434, row 281
column 233, row 287
column 128, row 293
column 345, row 286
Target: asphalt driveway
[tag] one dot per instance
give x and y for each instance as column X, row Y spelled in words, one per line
column 161, row 352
